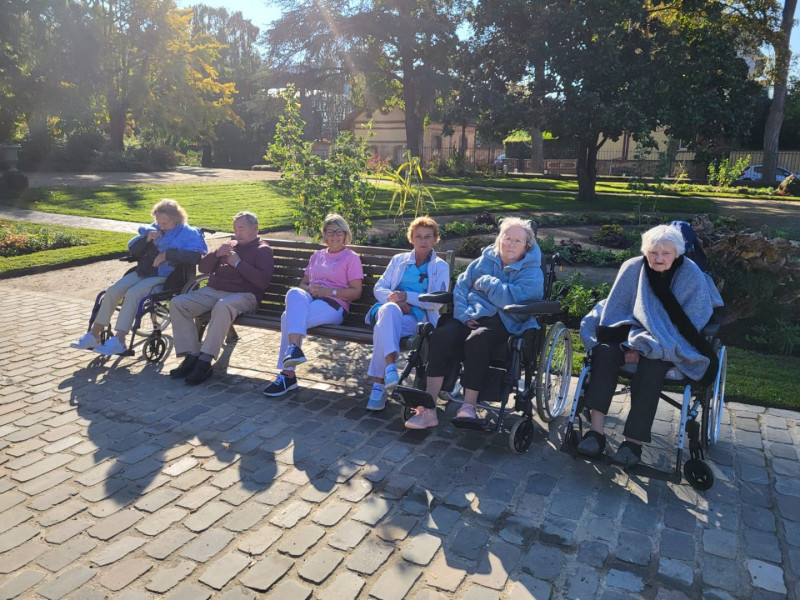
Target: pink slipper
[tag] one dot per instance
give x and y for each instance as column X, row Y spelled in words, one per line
column 467, row 411
column 425, row 418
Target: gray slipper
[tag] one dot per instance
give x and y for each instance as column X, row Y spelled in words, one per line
column 592, row 444
column 628, row 455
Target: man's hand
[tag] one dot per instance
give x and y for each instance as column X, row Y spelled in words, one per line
column 225, row 249
column 232, row 258
column 405, row 307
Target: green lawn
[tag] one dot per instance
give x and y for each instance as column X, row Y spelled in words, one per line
column 213, row 205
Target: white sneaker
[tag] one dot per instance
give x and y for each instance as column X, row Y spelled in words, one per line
column 377, row 399
column 86, row 342
column 111, row 347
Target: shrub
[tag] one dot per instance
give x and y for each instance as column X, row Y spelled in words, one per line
column 471, row 247
column 724, row 174
column 17, row 239
column 486, row 218
column 614, row 236
column 576, row 298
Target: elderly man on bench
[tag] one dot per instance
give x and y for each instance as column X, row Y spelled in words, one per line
column 239, row 274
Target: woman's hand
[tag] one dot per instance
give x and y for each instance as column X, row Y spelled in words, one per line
column 472, row 323
column 405, row 307
column 632, row 357
column 162, row 256
column 152, row 236
column 317, row 291
column 397, row 297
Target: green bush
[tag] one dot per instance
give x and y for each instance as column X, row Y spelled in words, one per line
column 471, row 247
column 724, row 174
column 18, row 240
column 576, row 298
column 615, row 236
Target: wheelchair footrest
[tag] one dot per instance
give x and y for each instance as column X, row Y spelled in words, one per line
column 413, row 397
column 472, row 424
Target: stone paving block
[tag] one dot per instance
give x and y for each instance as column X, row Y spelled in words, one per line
column 119, row 549
column 17, row 536
column 530, row 588
column 90, row 594
column 395, row 582
column 761, row 545
column 62, row 556
column 676, row 572
column 12, row 518
column 157, row 499
column 190, row 591
column 61, row 513
column 290, row 590
column 355, row 490
column 42, row 467
column 348, row 536
column 161, row 520
column 62, row 445
column 320, row 566
column 246, row 518
column 238, row 594
column 65, row 531
column 53, row 497
column 331, row 514
column 346, row 586
column 125, row 573
column 276, row 494
column 625, row 580
column 206, row 546
column 396, row 527
column 66, row 583
column 266, row 572
column 189, row 480
column 235, row 495
column 167, row 543
column 477, row 592
column 103, row 490
column 500, row 560
column 721, row 573
column 767, row 576
column 300, row 540
column 17, row 585
column 257, row 542
column 633, row 548
column 198, row 497
column 372, row 510
column 543, row 561
column 289, row 517
column 207, row 516
column 442, row 520
column 421, row 549
column 111, row 526
column 369, row 557
column 558, row 530
column 45, row 482
column 221, row 571
column 11, row 499
column 21, row 556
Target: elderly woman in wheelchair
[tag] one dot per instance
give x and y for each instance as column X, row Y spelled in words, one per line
column 508, row 272
column 161, row 249
column 652, row 322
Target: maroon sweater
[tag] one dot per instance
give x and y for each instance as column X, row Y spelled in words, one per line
column 252, row 275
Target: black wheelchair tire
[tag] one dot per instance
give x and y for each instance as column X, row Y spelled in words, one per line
column 698, row 474
column 154, row 349
column 521, row 435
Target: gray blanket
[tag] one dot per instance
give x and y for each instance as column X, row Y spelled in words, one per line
column 633, row 302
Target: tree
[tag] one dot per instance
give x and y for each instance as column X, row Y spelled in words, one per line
column 404, row 42
column 600, row 68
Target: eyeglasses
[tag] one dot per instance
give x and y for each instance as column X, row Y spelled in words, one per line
column 334, row 232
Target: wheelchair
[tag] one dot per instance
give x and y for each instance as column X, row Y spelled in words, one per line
column 537, row 363
column 705, row 401
column 155, row 307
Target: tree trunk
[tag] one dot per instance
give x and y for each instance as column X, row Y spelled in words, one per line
column 537, row 150
column 413, row 119
column 783, row 56
column 116, row 128
column 207, row 161
column 587, row 169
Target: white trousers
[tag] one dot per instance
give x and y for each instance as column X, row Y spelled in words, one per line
column 390, row 326
column 133, row 288
column 302, row 312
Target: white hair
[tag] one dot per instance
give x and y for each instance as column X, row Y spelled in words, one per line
column 660, row 235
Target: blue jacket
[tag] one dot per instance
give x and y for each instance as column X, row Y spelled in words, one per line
column 487, row 286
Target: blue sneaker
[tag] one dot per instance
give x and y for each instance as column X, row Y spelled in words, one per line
column 391, row 379
column 294, row 356
column 377, row 399
column 281, row 385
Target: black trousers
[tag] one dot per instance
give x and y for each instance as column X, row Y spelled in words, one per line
column 645, row 388
column 452, row 341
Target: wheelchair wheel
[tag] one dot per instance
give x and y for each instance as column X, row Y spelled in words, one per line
column 154, row 349
column 521, row 435
column 712, row 416
column 198, row 282
column 698, row 474
column 554, row 373
column 159, row 318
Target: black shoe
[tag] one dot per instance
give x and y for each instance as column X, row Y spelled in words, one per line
column 202, row 371
column 592, row 444
column 281, row 385
column 628, row 455
column 189, row 361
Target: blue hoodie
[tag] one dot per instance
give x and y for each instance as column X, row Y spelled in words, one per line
column 487, row 286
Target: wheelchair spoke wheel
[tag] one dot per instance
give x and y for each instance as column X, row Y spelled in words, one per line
column 159, row 319
column 521, row 435
column 554, row 373
column 195, row 284
column 698, row 474
column 716, row 403
column 154, row 349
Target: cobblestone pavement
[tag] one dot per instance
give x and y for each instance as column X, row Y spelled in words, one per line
column 118, row 482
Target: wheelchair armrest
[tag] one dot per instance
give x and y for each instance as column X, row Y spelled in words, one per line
column 711, row 328
column 534, row 307
column 437, row 297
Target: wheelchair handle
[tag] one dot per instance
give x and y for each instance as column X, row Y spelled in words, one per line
column 534, row 307
column 437, row 297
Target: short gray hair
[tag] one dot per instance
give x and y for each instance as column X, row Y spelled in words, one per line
column 337, row 221
column 251, row 218
column 660, row 235
column 507, row 223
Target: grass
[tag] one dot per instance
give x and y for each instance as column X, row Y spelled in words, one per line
column 99, row 244
column 213, row 205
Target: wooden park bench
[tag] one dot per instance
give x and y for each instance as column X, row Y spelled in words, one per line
column 291, row 259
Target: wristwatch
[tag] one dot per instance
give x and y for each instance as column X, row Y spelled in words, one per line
column 236, row 264
column 333, row 292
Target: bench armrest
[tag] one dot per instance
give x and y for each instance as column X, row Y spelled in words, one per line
column 534, row 307
column 437, row 297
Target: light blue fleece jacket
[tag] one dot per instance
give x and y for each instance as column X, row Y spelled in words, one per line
column 487, row 286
